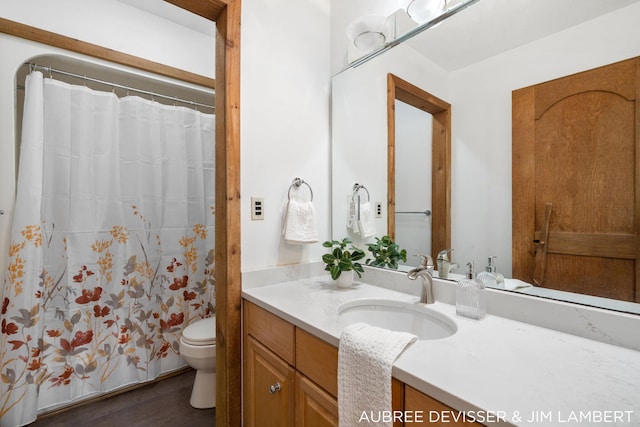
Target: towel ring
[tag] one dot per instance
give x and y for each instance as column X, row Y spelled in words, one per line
column 297, row 182
column 357, row 187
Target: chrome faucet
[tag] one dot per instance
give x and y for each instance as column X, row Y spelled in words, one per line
column 444, row 264
column 424, row 271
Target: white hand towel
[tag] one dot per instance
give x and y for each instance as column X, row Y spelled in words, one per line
column 367, row 222
column 513, row 284
column 365, row 358
column 299, row 222
column 352, row 216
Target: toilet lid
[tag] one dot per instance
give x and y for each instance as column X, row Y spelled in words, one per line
column 202, row 332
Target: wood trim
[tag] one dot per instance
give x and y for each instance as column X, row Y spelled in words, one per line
column 228, row 259
column 38, row 35
column 391, row 156
column 227, row 15
column 210, row 9
column 406, row 92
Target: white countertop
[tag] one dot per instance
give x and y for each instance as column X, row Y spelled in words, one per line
column 524, row 375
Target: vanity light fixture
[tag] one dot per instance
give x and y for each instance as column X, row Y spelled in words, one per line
column 423, row 11
column 368, row 32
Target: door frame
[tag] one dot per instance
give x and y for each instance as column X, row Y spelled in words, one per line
column 402, row 90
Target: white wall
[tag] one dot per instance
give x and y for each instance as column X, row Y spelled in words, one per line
column 285, row 122
column 108, row 23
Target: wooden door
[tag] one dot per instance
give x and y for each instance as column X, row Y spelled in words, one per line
column 575, row 151
column 269, row 388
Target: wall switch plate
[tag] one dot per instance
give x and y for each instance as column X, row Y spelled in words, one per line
column 257, row 208
column 378, row 209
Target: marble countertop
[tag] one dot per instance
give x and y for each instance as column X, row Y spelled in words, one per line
column 500, row 371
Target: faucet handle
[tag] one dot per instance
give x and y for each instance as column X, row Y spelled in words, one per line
column 427, row 261
column 442, row 255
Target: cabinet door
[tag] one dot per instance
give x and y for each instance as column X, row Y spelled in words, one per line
column 269, row 387
column 433, row 412
column 314, row 406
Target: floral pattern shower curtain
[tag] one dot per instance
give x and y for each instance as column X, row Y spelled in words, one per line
column 112, row 245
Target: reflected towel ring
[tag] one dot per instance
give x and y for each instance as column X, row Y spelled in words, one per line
column 297, row 182
column 357, row 187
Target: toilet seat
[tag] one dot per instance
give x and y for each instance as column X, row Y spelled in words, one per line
column 202, row 332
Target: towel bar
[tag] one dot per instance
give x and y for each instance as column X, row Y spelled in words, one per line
column 357, row 187
column 297, row 182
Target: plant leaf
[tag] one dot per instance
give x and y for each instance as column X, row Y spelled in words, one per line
column 335, row 272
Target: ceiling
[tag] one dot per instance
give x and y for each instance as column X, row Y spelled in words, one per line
column 490, row 27
column 174, row 14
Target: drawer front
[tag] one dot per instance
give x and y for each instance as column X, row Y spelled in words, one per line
column 275, row 333
column 317, row 360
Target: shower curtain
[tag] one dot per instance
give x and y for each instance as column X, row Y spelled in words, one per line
column 111, row 254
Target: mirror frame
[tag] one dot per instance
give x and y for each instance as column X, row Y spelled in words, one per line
column 402, row 90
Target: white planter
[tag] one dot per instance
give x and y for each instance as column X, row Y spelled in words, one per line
column 345, row 280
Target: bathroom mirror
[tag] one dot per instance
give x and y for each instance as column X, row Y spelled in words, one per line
column 475, row 60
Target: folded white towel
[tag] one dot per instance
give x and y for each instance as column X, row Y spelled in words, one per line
column 367, row 222
column 299, row 222
column 513, row 284
column 365, row 358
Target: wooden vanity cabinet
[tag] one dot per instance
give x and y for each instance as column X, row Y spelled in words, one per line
column 269, row 375
column 314, row 406
column 269, row 387
column 291, row 377
column 443, row 415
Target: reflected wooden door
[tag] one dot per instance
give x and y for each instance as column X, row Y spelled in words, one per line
column 575, row 182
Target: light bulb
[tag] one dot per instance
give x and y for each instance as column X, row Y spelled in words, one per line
column 423, row 11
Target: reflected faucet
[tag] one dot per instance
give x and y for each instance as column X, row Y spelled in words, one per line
column 444, row 264
column 425, row 272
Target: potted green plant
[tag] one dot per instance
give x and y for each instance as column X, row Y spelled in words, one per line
column 386, row 253
column 343, row 257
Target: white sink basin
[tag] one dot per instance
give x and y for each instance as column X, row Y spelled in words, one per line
column 418, row 319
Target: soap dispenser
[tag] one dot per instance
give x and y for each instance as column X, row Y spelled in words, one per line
column 490, row 277
column 470, row 297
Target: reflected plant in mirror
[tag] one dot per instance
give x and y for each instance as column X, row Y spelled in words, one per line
column 386, row 253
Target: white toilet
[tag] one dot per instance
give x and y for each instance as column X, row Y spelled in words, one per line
column 198, row 347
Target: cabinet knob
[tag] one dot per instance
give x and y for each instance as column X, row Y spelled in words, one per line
column 275, row 387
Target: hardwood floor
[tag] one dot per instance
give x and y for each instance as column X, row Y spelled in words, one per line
column 164, row 403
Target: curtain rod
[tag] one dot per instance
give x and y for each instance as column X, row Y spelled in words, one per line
column 33, row 66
